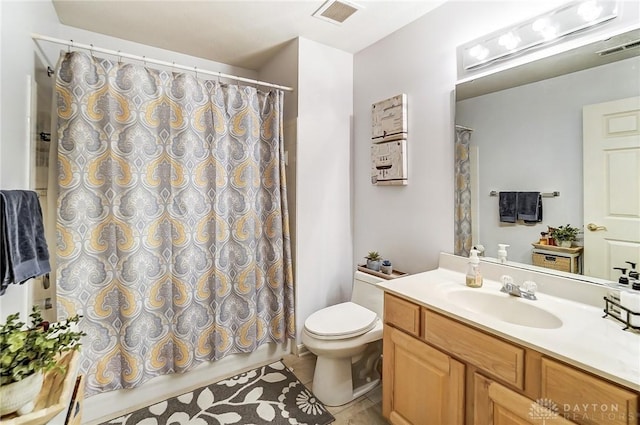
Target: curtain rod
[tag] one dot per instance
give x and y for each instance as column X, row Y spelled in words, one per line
column 145, row 59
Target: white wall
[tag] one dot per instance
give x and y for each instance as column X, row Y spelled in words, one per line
column 324, row 270
column 283, row 69
column 19, row 20
column 411, row 225
column 319, row 170
column 529, row 138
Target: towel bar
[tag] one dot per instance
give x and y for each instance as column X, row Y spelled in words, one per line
column 543, row 194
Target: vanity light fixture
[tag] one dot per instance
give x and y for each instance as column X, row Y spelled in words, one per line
column 537, row 31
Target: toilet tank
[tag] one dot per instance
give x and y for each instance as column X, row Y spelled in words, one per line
column 368, row 293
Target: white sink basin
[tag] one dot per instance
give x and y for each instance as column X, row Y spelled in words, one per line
column 505, row 308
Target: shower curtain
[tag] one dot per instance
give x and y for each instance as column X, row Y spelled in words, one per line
column 462, row 220
column 173, row 238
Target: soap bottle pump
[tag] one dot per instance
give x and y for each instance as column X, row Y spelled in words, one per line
column 622, row 280
column 502, row 252
column 633, row 273
column 474, row 278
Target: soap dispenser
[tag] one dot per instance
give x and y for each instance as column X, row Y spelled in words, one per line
column 633, row 273
column 502, row 253
column 474, row 278
column 622, row 280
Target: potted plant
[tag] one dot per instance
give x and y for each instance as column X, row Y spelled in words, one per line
column 373, row 260
column 386, row 267
column 564, row 235
column 26, row 352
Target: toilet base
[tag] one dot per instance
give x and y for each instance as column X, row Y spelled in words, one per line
column 333, row 379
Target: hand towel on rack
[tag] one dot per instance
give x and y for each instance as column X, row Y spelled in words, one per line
column 507, row 206
column 24, row 247
column 529, row 207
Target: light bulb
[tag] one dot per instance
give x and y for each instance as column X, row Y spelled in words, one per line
column 550, row 33
column 540, row 24
column 479, row 52
column 589, row 10
column 544, row 27
column 509, row 40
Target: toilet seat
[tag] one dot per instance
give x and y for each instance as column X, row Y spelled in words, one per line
column 340, row 321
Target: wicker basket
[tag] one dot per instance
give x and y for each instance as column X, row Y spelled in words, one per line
column 555, row 262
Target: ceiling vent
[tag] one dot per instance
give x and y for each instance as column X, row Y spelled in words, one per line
column 619, row 48
column 336, row 11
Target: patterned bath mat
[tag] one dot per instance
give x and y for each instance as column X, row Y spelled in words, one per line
column 267, row 395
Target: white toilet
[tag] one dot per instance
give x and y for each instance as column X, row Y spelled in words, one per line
column 347, row 338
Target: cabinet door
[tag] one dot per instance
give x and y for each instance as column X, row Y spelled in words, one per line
column 586, row 399
column 421, row 385
column 495, row 404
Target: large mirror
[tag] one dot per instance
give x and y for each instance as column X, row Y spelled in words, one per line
column 527, row 135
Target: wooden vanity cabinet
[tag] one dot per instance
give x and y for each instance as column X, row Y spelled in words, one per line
column 498, row 405
column 422, row 385
column 586, row 399
column 437, row 370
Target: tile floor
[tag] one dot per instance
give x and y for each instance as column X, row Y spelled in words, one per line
column 365, row 410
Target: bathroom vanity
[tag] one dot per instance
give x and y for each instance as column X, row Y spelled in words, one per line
column 457, row 355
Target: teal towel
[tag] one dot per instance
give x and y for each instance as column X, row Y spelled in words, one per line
column 508, row 202
column 530, row 207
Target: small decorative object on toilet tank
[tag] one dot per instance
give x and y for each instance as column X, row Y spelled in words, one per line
column 386, row 267
column 474, row 278
column 373, row 260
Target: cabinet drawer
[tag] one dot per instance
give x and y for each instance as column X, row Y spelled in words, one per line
column 489, row 354
column 586, row 399
column 402, row 314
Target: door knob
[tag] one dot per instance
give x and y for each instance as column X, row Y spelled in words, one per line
column 594, row 227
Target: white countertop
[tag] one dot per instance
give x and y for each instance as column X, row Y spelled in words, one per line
column 584, row 339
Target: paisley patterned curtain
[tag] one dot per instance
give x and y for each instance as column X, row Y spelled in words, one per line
column 462, row 223
column 173, row 237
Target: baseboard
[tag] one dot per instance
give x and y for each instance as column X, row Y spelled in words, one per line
column 106, row 406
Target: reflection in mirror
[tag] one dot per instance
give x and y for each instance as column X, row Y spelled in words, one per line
column 530, row 137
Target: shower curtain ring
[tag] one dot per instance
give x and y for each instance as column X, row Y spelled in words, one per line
column 69, row 46
column 91, row 49
column 219, row 78
column 144, row 60
column 119, row 58
column 195, row 69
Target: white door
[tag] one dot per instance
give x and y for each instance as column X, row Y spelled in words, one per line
column 611, row 173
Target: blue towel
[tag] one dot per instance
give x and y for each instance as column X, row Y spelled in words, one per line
column 508, row 206
column 529, row 207
column 23, row 247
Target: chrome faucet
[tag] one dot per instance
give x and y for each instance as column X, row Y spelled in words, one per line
column 527, row 291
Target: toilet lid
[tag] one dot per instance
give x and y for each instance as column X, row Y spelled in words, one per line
column 341, row 321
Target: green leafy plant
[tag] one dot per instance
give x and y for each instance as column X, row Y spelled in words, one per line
column 564, row 233
column 25, row 350
column 373, row 256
